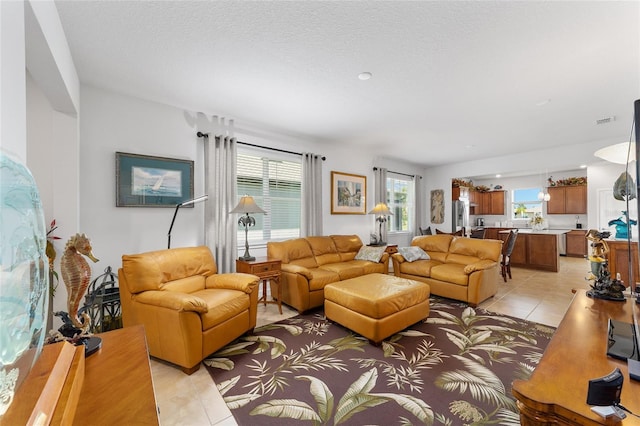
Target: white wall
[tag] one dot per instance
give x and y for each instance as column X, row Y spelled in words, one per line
column 601, row 179
column 13, row 139
column 38, row 116
column 113, row 122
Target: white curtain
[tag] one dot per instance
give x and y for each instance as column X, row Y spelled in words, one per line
column 220, row 152
column 380, row 193
column 419, row 202
column 311, row 214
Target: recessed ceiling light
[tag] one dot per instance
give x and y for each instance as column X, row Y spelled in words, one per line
column 365, row 76
column 543, row 102
column 498, row 175
column 469, row 146
column 583, row 166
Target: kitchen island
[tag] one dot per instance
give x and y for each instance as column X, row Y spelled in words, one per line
column 536, row 249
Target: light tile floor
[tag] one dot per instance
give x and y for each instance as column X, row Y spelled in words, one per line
column 538, row 296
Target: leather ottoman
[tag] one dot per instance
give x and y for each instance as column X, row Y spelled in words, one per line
column 376, row 305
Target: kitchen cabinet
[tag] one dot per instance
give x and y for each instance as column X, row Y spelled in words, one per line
column 619, row 259
column 494, row 233
column 577, row 244
column 567, row 200
column 535, row 250
column 459, row 192
column 495, row 204
column 491, row 202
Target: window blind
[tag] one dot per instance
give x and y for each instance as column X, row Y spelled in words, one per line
column 275, row 185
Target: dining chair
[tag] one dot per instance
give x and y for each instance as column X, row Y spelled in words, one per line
column 507, row 249
column 478, row 233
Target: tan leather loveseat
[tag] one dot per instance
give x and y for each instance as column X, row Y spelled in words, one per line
column 310, row 263
column 460, row 268
column 188, row 310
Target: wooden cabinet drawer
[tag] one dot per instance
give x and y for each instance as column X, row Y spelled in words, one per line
column 264, row 267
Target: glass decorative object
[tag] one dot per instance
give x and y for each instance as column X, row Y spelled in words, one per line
column 24, row 277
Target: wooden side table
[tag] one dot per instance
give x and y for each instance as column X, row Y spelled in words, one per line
column 268, row 270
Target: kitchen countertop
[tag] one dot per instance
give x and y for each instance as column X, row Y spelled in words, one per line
column 542, row 232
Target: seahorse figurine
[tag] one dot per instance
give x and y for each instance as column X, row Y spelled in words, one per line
column 76, row 275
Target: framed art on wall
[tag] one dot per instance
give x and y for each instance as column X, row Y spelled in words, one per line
column 437, row 206
column 146, row 181
column 348, row 193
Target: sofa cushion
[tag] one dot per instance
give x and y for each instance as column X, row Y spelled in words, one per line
column 297, row 252
column 381, row 267
column 413, row 253
column 419, row 267
column 322, row 277
column 223, row 305
column 186, row 285
column 479, row 249
column 437, row 246
column 347, row 245
column 450, row 272
column 152, row 270
column 346, row 270
column 324, row 250
column 372, row 254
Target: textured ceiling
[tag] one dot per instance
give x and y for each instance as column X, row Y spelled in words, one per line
column 451, row 80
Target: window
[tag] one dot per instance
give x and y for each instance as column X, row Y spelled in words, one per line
column 400, row 199
column 525, row 203
column 276, row 186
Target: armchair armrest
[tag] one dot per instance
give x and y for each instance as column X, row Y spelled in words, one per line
column 295, row 269
column 397, row 257
column 479, row 266
column 172, row 300
column 233, row 281
column 384, row 258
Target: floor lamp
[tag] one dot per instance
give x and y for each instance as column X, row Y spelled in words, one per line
column 175, row 213
column 247, row 205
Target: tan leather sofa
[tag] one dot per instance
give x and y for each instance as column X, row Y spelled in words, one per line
column 460, row 268
column 188, row 310
column 310, row 263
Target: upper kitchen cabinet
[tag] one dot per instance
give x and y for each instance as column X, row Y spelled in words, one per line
column 567, row 199
column 490, row 203
column 458, row 192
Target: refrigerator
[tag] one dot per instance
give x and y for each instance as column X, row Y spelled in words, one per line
column 460, row 219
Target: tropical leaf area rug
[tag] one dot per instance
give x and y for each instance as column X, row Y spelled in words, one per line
column 454, row 368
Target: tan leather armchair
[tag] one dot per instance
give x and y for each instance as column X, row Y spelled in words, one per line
column 188, row 310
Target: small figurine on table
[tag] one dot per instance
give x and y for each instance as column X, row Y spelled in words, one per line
column 603, row 287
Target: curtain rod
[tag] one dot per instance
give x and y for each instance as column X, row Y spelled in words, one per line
column 398, row 173
column 206, row 136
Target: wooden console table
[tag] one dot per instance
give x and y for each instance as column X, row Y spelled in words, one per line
column 118, row 388
column 556, row 392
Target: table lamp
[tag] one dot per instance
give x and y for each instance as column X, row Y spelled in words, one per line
column 175, row 213
column 247, row 205
column 382, row 211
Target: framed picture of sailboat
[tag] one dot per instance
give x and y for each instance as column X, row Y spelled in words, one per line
column 147, row 181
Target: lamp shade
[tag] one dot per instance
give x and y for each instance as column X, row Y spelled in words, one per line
column 381, row 209
column 247, row 205
column 618, row 153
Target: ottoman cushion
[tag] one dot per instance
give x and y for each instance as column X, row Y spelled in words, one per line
column 377, row 295
column 377, row 305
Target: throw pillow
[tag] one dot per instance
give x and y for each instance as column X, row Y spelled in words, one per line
column 372, row 254
column 413, row 253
